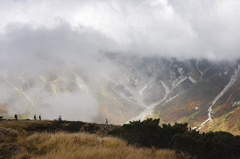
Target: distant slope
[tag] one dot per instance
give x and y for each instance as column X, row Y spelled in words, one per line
column 192, row 105
column 120, row 87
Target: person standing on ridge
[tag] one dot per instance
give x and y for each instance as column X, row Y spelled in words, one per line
column 16, row 117
column 59, row 118
column 35, row 117
column 39, row 117
column 106, row 122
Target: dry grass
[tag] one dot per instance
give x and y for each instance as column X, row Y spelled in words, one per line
column 81, row 145
column 21, row 125
column 70, row 145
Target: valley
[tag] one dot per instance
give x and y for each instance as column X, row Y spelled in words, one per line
column 138, row 88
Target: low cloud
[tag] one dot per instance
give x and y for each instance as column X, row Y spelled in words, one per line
column 60, row 29
column 76, row 107
column 40, row 37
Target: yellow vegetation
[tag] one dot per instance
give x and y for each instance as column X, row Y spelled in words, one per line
column 80, row 145
column 64, row 145
column 20, row 125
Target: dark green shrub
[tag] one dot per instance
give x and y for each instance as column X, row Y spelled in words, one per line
column 148, row 133
column 168, row 131
column 142, row 133
column 218, row 145
column 211, row 145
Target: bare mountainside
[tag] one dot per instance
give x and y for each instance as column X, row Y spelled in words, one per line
column 203, row 93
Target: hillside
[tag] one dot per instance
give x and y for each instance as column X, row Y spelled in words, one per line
column 201, row 92
column 146, row 139
column 51, row 139
column 211, row 104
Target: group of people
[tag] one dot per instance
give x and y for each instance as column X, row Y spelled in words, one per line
column 40, row 118
column 59, row 118
column 35, row 117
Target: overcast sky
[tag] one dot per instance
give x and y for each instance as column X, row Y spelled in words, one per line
column 36, row 32
column 42, row 35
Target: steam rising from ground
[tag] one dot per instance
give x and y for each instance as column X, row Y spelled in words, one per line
column 44, row 36
column 77, row 106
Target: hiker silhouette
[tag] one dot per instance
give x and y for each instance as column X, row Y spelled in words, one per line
column 59, row 118
column 106, row 122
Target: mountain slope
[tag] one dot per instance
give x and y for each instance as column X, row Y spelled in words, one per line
column 120, row 87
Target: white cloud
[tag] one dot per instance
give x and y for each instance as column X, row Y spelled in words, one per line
column 58, row 35
column 174, row 28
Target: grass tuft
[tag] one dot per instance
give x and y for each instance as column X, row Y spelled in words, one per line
column 82, row 145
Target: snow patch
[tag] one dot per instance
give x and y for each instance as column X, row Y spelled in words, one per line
column 81, row 84
column 165, row 87
column 230, row 83
column 236, row 103
column 180, row 71
column 233, row 111
column 140, row 92
column 149, row 110
column 171, row 98
column 122, row 94
column 198, row 68
column 192, row 79
column 42, row 78
column 178, row 81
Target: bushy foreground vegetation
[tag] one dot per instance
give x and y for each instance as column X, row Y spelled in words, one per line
column 213, row 145
column 77, row 145
column 146, row 139
column 39, row 140
column 44, row 126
